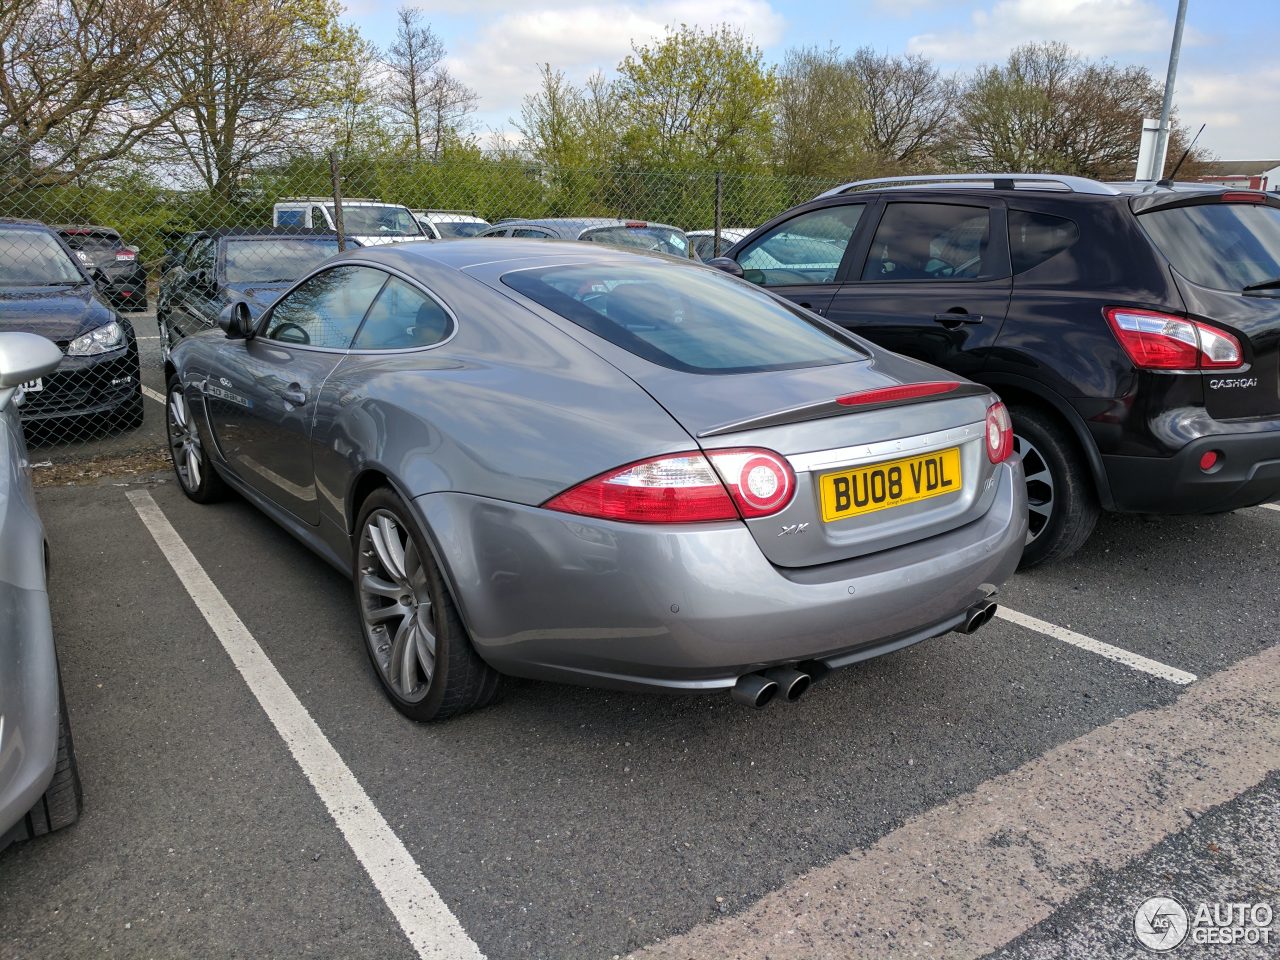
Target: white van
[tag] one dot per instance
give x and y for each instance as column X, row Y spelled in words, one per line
column 372, row 222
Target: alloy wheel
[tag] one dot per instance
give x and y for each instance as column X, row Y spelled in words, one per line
column 1040, row 500
column 184, row 442
column 396, row 606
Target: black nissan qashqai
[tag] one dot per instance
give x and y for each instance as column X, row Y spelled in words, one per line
column 1133, row 329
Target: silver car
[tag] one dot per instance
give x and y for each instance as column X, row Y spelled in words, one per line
column 570, row 462
column 628, row 234
column 39, row 784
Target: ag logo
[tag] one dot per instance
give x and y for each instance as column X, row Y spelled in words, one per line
column 1161, row 924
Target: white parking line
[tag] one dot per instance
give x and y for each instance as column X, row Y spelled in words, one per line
column 1270, row 506
column 425, row 919
column 146, row 338
column 155, row 395
column 1132, row 660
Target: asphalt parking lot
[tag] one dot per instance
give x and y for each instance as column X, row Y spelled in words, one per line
column 1018, row 792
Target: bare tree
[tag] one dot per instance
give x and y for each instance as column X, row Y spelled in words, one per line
column 411, row 62
column 819, row 131
column 1047, row 108
column 74, row 79
column 251, row 78
column 909, row 106
column 449, row 103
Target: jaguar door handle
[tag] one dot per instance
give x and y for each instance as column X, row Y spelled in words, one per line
column 952, row 319
column 294, row 394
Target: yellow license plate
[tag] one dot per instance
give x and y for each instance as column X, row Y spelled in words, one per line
column 890, row 484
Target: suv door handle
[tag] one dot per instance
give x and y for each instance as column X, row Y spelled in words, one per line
column 956, row 318
column 293, row 394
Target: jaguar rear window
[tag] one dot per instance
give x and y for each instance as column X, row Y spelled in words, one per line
column 685, row 318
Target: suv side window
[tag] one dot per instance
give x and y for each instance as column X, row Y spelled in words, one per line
column 803, row 250
column 403, row 317
column 318, row 220
column 326, row 310
column 1035, row 237
column 530, row 232
column 929, row 241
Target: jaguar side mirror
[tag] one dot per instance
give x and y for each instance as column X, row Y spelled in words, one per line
column 726, row 264
column 236, row 321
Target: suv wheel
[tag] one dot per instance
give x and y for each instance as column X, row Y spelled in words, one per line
column 1061, row 506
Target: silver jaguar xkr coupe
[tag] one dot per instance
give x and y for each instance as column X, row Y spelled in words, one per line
column 563, row 461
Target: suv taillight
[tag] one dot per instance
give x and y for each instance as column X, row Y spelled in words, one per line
column 999, row 433
column 685, row 488
column 1163, row 341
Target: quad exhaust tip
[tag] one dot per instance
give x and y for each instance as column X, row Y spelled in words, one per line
column 754, row 690
column 760, row 689
column 977, row 616
column 792, row 684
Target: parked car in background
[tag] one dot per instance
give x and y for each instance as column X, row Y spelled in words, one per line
column 250, row 264
column 628, row 234
column 45, row 289
column 371, row 222
column 446, row 224
column 703, row 242
column 39, row 781
column 101, row 247
column 577, row 463
column 1133, row 328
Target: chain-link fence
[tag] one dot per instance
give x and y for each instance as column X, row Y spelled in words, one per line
column 116, row 269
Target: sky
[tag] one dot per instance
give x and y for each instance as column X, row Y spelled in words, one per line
column 1228, row 78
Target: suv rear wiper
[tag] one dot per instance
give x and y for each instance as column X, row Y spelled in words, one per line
column 1272, row 284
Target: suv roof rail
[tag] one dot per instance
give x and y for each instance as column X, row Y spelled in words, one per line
column 465, row 213
column 330, row 200
column 995, row 181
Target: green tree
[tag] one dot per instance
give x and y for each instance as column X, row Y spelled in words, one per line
column 819, row 130
column 698, row 99
column 355, row 104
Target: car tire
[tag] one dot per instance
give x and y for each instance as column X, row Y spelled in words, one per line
column 61, row 804
column 1062, row 505
column 201, row 484
column 420, row 650
column 133, row 413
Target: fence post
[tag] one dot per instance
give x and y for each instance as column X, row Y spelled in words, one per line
column 719, row 206
column 337, row 201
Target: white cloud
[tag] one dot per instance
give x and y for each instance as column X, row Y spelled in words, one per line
column 501, row 62
column 1239, row 108
column 1091, row 27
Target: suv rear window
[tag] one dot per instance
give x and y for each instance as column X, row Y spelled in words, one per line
column 688, row 319
column 1224, row 246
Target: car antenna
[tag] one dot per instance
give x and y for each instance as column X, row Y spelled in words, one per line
column 1168, row 181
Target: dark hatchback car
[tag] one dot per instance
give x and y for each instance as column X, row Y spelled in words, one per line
column 216, row 267
column 125, row 276
column 1133, row 329
column 45, row 289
